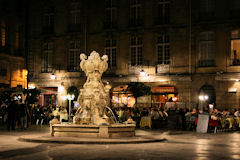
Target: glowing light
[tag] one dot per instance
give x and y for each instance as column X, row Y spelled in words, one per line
column 52, row 76
column 60, row 88
column 70, row 96
column 201, row 98
column 64, row 97
column 143, row 73
column 32, row 87
column 237, row 80
column 206, row 97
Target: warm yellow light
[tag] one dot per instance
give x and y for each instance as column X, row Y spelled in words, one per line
column 60, row 88
column 70, row 96
column 52, row 76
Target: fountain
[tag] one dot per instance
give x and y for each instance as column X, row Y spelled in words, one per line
column 90, row 119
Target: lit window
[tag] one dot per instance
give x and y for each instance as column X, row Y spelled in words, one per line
column 235, row 47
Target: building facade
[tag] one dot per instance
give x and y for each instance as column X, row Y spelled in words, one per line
column 184, row 49
column 13, row 71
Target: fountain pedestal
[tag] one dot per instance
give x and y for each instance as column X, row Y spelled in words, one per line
column 93, row 131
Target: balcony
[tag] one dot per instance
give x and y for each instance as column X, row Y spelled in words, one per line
column 46, row 69
column 72, row 68
column 206, row 63
column 162, row 68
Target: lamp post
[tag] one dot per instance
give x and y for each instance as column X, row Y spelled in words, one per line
column 203, row 99
column 70, row 97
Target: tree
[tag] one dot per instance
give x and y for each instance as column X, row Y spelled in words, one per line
column 138, row 89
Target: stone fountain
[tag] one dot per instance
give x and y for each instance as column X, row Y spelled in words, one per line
column 90, row 119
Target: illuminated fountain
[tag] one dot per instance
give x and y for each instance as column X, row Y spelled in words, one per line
column 90, row 119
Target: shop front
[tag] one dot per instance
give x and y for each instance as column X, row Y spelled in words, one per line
column 163, row 94
column 48, row 96
column 121, row 97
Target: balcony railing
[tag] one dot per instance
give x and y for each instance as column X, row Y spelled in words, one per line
column 72, row 68
column 46, row 69
column 162, row 68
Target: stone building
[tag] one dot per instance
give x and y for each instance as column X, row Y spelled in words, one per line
column 13, row 71
column 184, row 49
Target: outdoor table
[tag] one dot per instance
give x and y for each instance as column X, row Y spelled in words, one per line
column 145, row 122
column 212, row 123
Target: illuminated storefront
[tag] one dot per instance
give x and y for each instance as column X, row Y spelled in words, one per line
column 122, row 97
column 163, row 94
column 48, row 96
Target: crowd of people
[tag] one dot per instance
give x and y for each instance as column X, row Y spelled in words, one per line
column 18, row 114
column 176, row 117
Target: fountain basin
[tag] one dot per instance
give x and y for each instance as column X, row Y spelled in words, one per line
column 93, row 131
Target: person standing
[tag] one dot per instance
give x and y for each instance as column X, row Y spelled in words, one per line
column 23, row 115
column 11, row 110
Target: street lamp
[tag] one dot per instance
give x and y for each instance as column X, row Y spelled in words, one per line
column 52, row 76
column 203, row 98
column 70, row 97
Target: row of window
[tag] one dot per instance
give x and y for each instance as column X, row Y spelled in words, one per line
column 136, row 52
column 206, row 57
column 75, row 14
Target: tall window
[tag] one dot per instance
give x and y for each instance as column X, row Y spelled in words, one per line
column 48, row 20
column 207, row 6
column 74, row 56
column 75, row 16
column 3, row 34
column 110, row 13
column 111, row 51
column 163, row 49
column 163, row 12
column 207, row 49
column 135, row 12
column 235, row 47
column 47, row 57
column 136, row 51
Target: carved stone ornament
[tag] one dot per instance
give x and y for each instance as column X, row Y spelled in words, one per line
column 94, row 96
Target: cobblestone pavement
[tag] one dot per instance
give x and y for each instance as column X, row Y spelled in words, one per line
column 179, row 145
